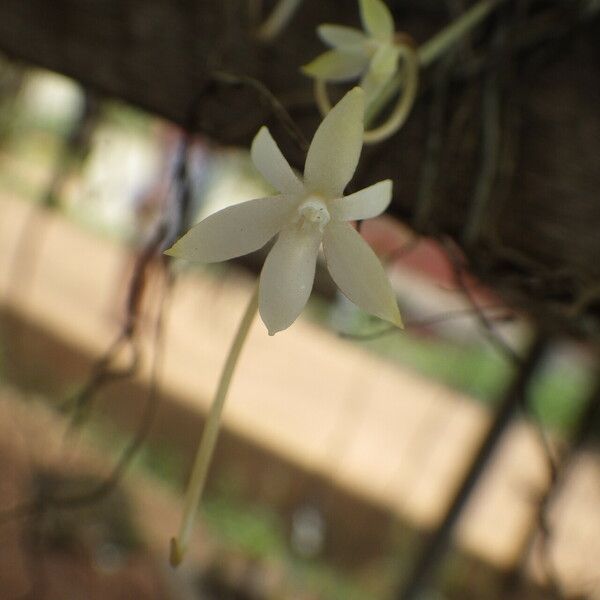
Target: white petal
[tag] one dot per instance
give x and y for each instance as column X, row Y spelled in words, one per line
column 273, row 166
column 384, row 61
column 337, row 65
column 358, row 273
column 364, row 204
column 335, row 149
column 338, row 36
column 377, row 19
column 382, row 67
column 235, row 230
column 287, row 277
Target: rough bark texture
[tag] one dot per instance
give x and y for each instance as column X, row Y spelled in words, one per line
column 500, row 153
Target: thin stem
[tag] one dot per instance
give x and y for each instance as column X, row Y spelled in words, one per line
column 278, row 19
column 439, row 44
column 428, row 562
column 208, row 442
column 410, row 78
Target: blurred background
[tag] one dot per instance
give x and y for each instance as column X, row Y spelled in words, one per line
column 455, row 459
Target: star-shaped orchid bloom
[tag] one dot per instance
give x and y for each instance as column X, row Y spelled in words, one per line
column 307, row 212
column 373, row 54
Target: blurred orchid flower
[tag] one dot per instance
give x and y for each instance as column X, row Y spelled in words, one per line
column 371, row 54
column 308, row 211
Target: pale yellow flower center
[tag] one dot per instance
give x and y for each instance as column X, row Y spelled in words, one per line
column 313, row 212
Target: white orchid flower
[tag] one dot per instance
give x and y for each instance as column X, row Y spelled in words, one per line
column 306, row 213
column 372, row 54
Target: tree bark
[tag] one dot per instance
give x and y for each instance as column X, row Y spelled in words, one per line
column 501, row 155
